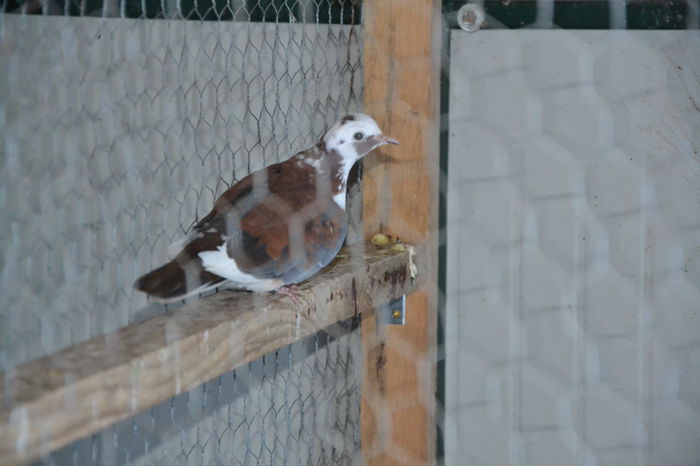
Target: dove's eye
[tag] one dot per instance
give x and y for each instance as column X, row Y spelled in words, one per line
column 359, row 136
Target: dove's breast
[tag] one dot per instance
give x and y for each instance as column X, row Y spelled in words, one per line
column 279, row 233
column 297, row 243
column 322, row 238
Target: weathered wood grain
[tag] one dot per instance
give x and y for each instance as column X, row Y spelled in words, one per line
column 53, row 401
column 400, row 198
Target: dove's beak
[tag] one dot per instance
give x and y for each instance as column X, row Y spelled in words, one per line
column 387, row 140
column 371, row 143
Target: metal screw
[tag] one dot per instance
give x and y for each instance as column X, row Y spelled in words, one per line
column 393, row 312
column 470, row 17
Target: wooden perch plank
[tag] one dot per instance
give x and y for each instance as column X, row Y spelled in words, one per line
column 50, row 402
column 400, row 198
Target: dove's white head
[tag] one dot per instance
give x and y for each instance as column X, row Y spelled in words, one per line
column 354, row 136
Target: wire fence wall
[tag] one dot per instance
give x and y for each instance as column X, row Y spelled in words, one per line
column 121, row 123
column 120, row 133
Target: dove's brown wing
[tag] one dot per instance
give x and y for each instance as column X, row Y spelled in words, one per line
column 280, row 222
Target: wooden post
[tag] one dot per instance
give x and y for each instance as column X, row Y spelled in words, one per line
column 400, row 198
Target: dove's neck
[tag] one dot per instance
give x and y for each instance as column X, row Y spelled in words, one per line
column 346, row 164
column 346, row 160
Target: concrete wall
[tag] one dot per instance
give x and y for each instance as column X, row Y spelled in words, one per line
column 573, row 273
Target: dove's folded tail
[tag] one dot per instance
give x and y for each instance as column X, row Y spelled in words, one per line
column 176, row 280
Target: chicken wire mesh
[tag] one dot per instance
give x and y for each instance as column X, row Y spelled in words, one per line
column 574, row 363
column 121, row 123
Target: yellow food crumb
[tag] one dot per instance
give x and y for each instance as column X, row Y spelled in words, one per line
column 398, row 247
column 379, row 239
